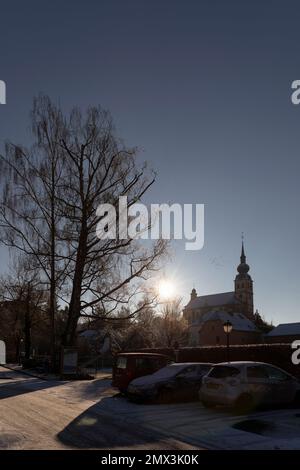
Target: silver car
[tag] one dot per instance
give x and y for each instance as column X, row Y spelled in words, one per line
column 246, row 385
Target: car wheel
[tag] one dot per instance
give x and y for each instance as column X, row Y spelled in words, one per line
column 164, row 396
column 244, row 403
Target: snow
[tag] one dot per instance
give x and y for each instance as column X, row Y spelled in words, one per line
column 285, row 329
column 163, row 374
column 39, row 414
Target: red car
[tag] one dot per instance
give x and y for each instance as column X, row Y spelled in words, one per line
column 129, row 366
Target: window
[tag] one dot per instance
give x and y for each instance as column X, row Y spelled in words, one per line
column 122, row 362
column 276, row 374
column 218, row 339
column 189, row 371
column 146, row 363
column 203, row 370
column 257, row 372
column 222, row 372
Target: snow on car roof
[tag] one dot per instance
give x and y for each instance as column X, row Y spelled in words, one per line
column 166, row 372
column 242, row 363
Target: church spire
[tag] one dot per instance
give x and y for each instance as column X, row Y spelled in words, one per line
column 243, row 267
column 244, row 285
column 243, row 256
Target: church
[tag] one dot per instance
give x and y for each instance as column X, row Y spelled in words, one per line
column 206, row 314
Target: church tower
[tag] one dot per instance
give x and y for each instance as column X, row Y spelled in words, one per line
column 244, row 286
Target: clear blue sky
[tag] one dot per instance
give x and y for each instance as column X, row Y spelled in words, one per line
column 203, row 88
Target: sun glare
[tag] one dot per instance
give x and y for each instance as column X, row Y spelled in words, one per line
column 166, row 289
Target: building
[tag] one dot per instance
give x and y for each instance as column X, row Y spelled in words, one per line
column 284, row 333
column 206, row 314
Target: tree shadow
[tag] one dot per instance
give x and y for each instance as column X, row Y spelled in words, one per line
column 94, row 389
column 17, row 387
column 99, row 428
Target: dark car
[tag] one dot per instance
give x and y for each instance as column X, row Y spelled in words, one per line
column 128, row 366
column 179, row 381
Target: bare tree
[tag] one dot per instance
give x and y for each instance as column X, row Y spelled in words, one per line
column 29, row 218
column 100, row 169
column 48, row 211
column 23, row 301
column 171, row 327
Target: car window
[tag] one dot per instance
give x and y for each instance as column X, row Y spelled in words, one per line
column 221, row 372
column 257, row 372
column 145, row 363
column 122, row 362
column 276, row 374
column 168, row 371
column 203, row 370
column 190, row 370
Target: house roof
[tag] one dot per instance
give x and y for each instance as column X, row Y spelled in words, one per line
column 213, row 300
column 239, row 321
column 285, row 329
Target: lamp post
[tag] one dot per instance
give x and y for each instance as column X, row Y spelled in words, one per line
column 227, row 328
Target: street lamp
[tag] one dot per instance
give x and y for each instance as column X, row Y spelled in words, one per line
column 227, row 328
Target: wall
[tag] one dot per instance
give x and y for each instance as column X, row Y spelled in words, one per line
column 276, row 354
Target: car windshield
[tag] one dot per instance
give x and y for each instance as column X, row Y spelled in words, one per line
column 168, row 371
column 221, row 372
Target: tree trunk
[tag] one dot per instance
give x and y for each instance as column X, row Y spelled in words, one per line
column 69, row 336
column 52, row 300
column 27, row 327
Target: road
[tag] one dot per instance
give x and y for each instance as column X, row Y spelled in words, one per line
column 40, row 414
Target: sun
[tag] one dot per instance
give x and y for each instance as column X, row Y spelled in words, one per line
column 166, row 289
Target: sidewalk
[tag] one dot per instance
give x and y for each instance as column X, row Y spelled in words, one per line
column 104, row 373
column 31, row 372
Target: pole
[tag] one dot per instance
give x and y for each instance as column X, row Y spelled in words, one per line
column 227, row 334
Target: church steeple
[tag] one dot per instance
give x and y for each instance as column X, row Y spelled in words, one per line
column 243, row 256
column 193, row 294
column 244, row 285
column 243, row 267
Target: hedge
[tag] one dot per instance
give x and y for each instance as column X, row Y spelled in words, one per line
column 278, row 354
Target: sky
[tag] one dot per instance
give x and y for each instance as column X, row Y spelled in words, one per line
column 203, row 89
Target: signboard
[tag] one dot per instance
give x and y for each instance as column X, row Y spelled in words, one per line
column 2, row 352
column 69, row 361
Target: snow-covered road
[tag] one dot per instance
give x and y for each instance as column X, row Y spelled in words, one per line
column 39, row 414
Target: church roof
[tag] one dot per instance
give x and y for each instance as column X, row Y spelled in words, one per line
column 285, row 329
column 239, row 321
column 213, row 300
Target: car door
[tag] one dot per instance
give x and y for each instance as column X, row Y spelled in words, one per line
column 283, row 385
column 187, row 382
column 258, row 384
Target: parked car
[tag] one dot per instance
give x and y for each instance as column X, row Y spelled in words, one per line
column 246, row 385
column 128, row 366
column 178, row 380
